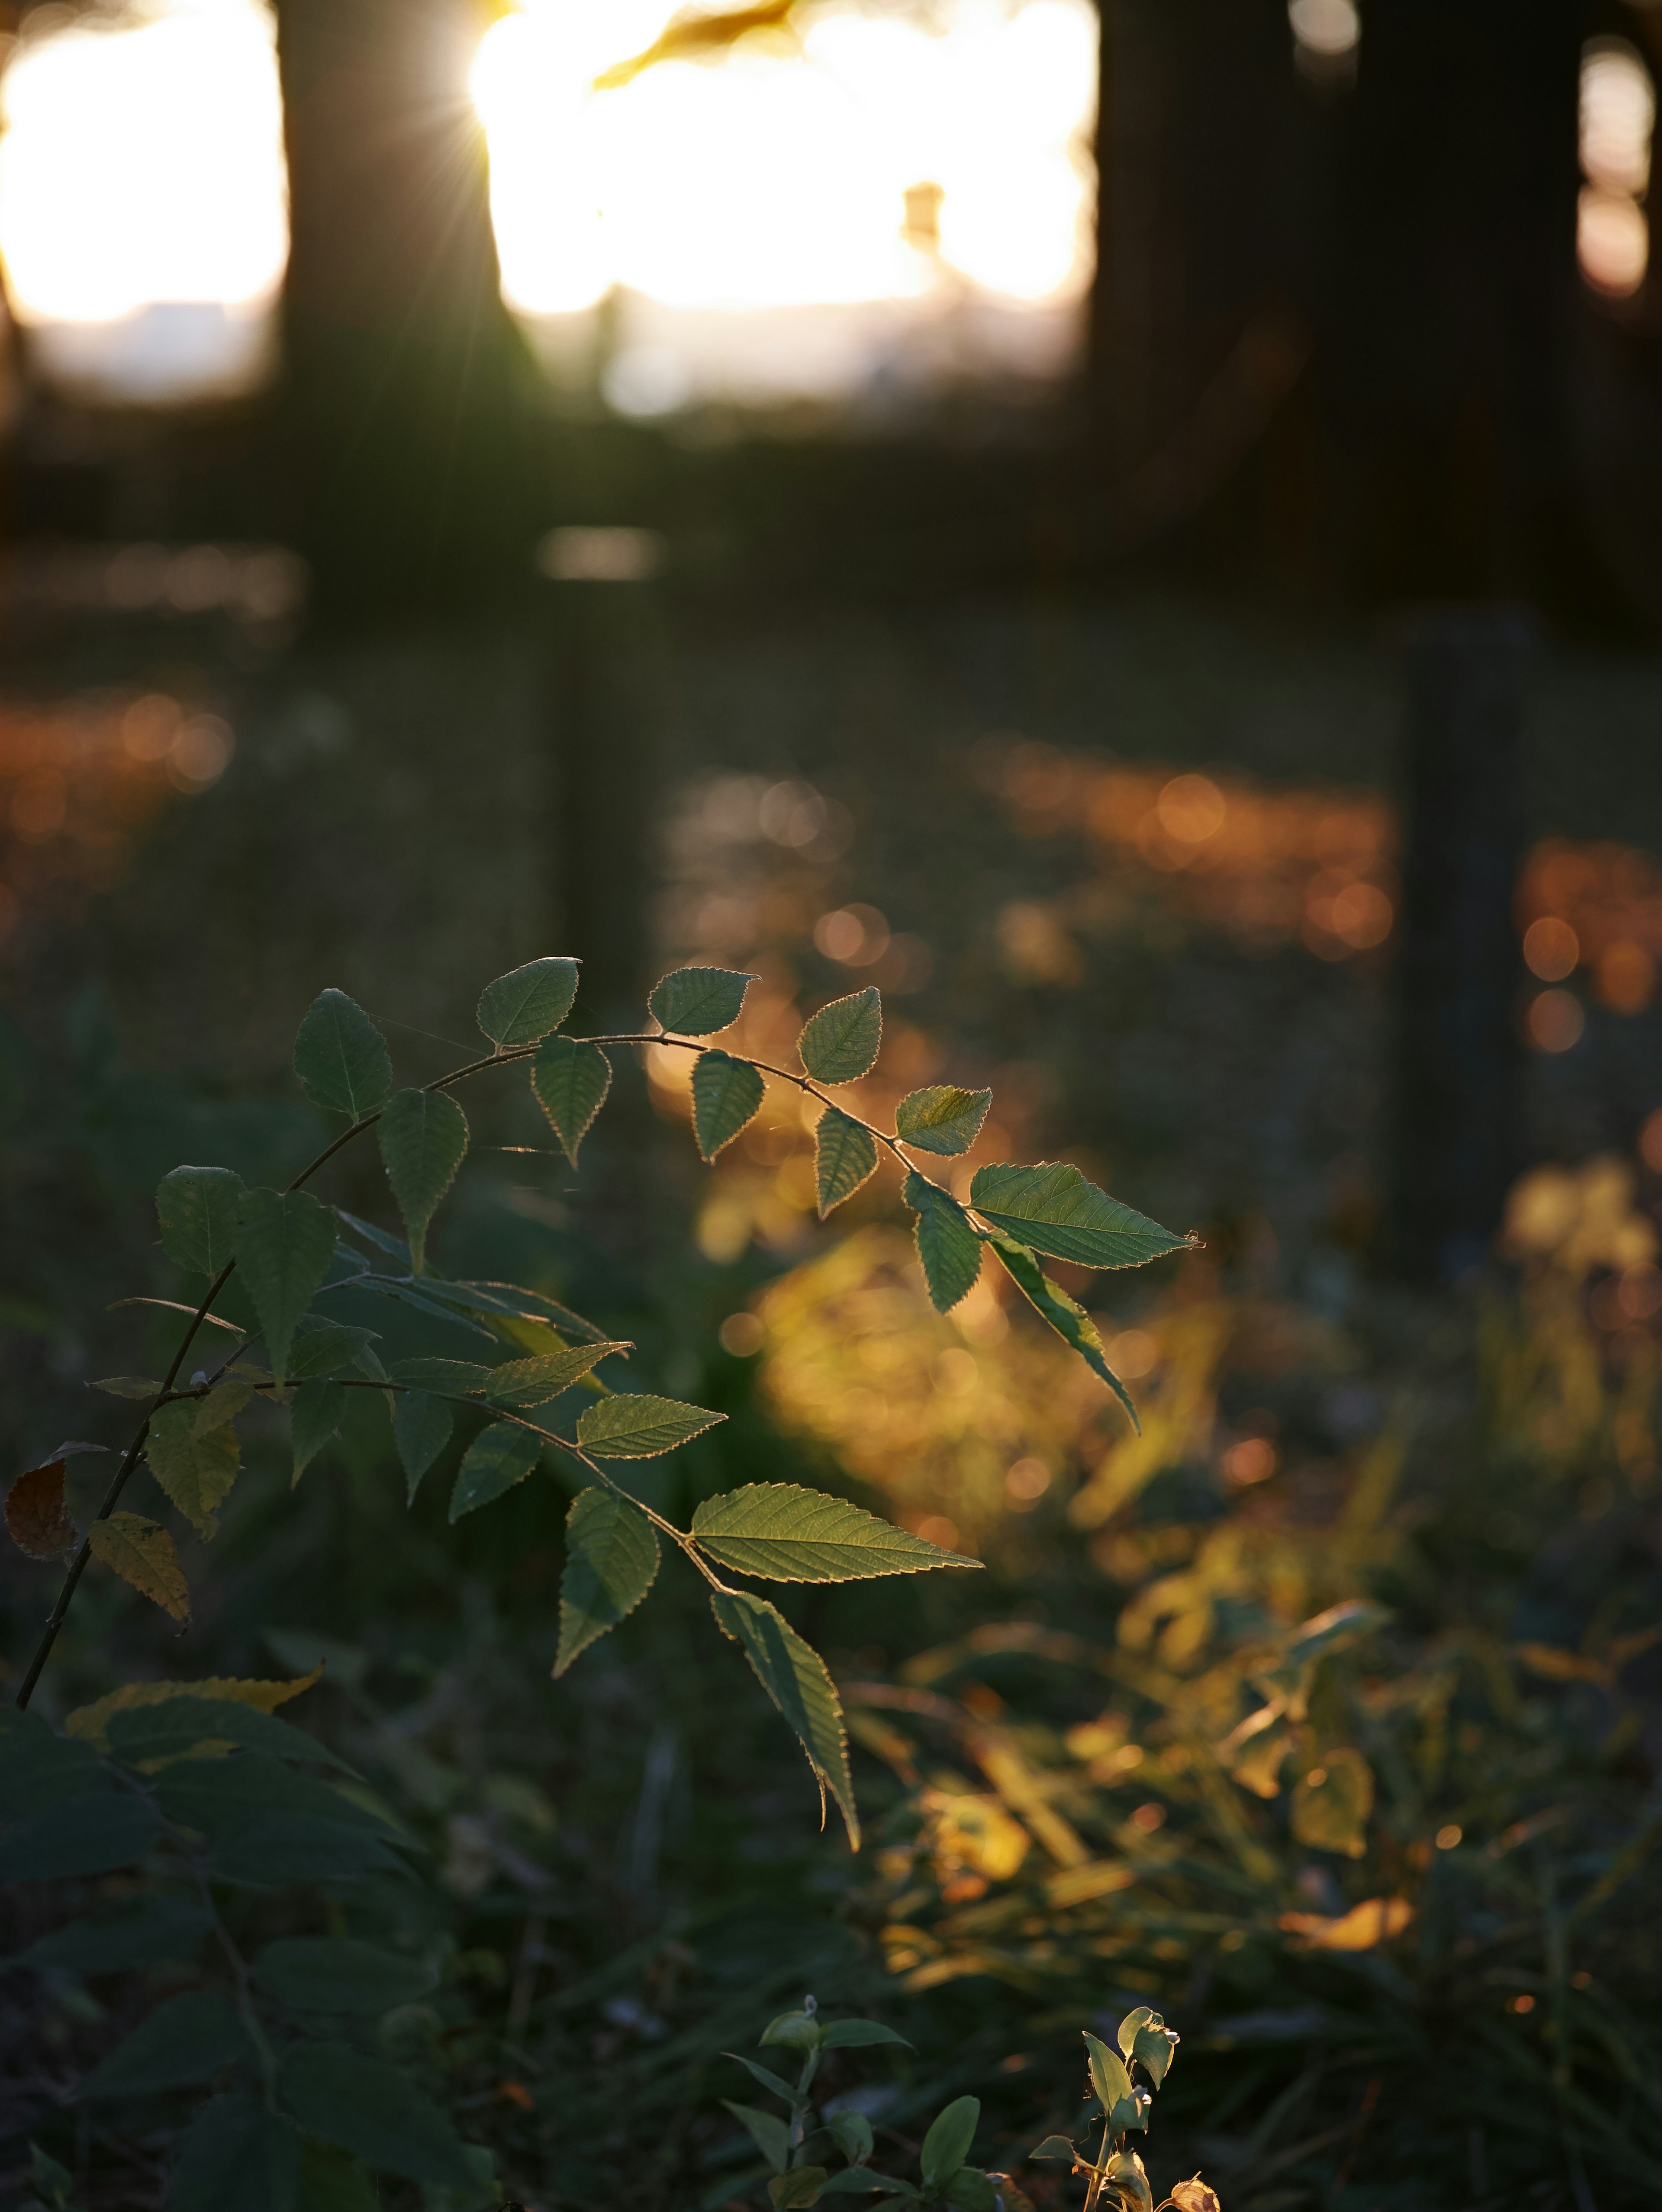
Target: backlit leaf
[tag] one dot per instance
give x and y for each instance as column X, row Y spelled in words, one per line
column 498, row 1458
column 1155, row 2047
column 285, row 1242
column 193, row 1452
column 196, row 1208
column 374, row 2110
column 947, row 1245
column 333, row 1973
column 845, row 1156
column 95, row 1833
column 1108, row 2076
column 127, row 1386
column 423, row 1140
column 1054, row 2147
column 571, row 1078
column 420, row 1430
column 453, row 1376
column 842, row 1040
column 803, row 2186
column 1195, row 2196
column 789, row 1534
column 1331, row 1804
column 315, row 1413
column 793, row 1675
column 90, row 1723
column 37, row 1519
column 612, row 1560
column 947, row 2145
column 237, row 2154
column 523, row 1383
column 943, row 1118
column 341, row 1057
column 1052, row 1209
column 143, row 1735
column 698, row 1001
column 528, row 1002
column 1125, row 2171
column 143, row 1553
column 185, row 2040
column 1065, row 1315
column 641, row 1427
column 725, row 1093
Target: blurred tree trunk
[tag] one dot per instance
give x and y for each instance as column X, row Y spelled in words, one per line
column 404, row 425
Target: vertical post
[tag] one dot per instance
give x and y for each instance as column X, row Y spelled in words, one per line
column 1459, row 1059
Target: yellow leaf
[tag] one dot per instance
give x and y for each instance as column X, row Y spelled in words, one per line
column 1362, row 1929
column 90, row 1723
column 1097, row 1878
column 142, row 1552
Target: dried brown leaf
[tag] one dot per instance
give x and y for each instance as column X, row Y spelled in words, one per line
column 36, row 1519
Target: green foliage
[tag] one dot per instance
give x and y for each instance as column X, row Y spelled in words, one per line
column 642, row 1427
column 844, row 1157
column 841, row 1043
column 284, row 1242
column 794, row 1677
column 571, row 1078
column 948, row 1244
column 237, row 2152
column 528, row 1003
column 194, row 1451
column 334, row 1974
column 497, row 1458
column 423, row 1140
column 1065, row 1315
column 365, row 2107
column 725, row 1095
column 341, row 1058
column 525, row 1383
column 788, row 1534
column 1054, row 1209
column 611, row 1562
column 943, row 1118
column 698, row 1001
column 420, row 1430
column 196, row 1208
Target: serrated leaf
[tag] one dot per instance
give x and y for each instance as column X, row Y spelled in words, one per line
column 127, row 1386
column 498, row 1458
column 324, row 1347
column 95, row 1833
column 375, row 2111
column 641, row 1427
column 341, row 1057
column 725, row 1094
column 334, row 1973
column 528, row 1002
column 185, row 2040
column 789, row 1534
column 423, row 1140
column 947, row 2145
column 698, row 1001
column 285, row 1242
column 942, row 1118
column 420, row 1430
column 611, row 1562
column 196, row 1209
column 315, row 1413
column 947, row 1244
column 523, row 1383
column 861, row 2035
column 237, row 2154
column 795, row 1676
column 143, row 1553
column 766, row 2130
column 570, row 1078
column 90, row 1723
column 1052, row 1209
column 845, row 1156
column 1065, row 1315
column 1108, row 2076
column 841, row 1043
column 193, row 1452
column 142, row 1736
column 461, row 1378
column 37, row 1519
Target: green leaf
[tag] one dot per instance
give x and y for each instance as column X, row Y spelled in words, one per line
column 453, row 1377
column 219, row 1795
column 1054, row 2147
column 528, row 1002
column 270, row 1849
column 1052, row 1209
column 315, row 1413
column 423, row 1140
column 767, row 2132
column 137, row 1932
column 1125, row 2171
column 571, row 1078
column 698, row 1001
column 942, row 1118
column 1108, row 2076
column 333, row 1973
column 802, row 2185
column 789, row 1534
column 1153, row 2045
column 796, row 2031
column 946, row 2144
column 39, row 1769
column 196, row 1208
column 498, row 1458
column 341, row 1057
column 852, row 2131
column 1126, row 2034
column 237, row 2157
column 947, row 1244
column 93, row 1834
column 1066, row 1316
column 185, row 2040
column 127, row 1386
column 860, row 2034
column 285, row 1242
column 845, row 1156
column 330, row 2181
column 612, row 1560
column 324, row 1347
column 176, row 1726
column 523, row 1383
column 420, row 1430
column 970, row 2190
column 725, row 1093
column 793, row 1675
column 193, row 1452
column 766, row 2078
column 842, row 1040
column 1331, row 1805
column 861, row 2181
column 641, row 1427
column 375, row 2111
